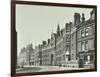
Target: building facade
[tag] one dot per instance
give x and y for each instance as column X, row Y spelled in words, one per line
column 26, row 56
column 86, row 40
column 72, row 46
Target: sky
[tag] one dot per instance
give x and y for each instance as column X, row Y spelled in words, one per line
column 35, row 23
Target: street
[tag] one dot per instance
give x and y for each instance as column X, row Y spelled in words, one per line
column 44, row 69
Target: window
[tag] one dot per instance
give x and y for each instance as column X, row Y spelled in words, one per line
column 72, row 36
column 67, row 39
column 72, row 47
column 86, row 45
column 82, row 46
column 87, row 59
column 87, row 31
column 82, row 33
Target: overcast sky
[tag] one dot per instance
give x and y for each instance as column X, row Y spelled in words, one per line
column 35, row 23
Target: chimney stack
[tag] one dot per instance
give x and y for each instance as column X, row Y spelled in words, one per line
column 76, row 19
column 83, row 18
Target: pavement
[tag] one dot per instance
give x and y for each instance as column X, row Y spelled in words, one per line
column 57, row 68
column 45, row 68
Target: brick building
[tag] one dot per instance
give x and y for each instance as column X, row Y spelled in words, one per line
column 71, row 46
column 26, row 57
column 86, row 40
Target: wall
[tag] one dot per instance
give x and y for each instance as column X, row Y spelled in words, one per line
column 5, row 39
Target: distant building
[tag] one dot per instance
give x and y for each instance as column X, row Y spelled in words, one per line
column 25, row 57
column 22, row 57
column 37, row 55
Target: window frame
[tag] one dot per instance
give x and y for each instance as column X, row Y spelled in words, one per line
column 82, row 33
column 87, row 31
